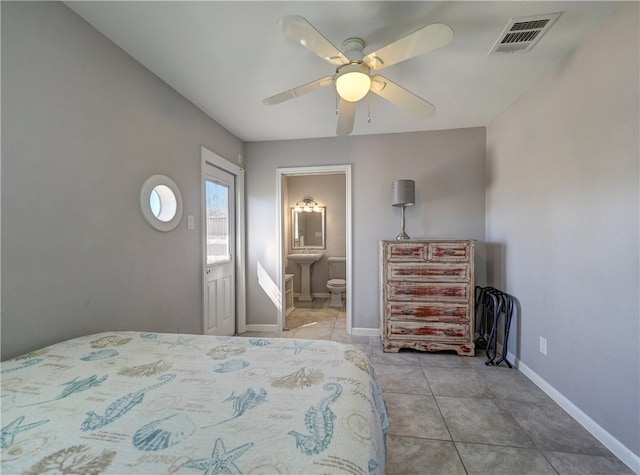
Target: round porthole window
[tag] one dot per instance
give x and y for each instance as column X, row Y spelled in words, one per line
column 161, row 202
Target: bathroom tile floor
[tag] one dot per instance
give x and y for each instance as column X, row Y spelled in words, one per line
column 455, row 415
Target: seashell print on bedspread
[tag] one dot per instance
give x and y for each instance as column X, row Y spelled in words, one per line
column 163, row 433
column 231, row 365
column 142, row 402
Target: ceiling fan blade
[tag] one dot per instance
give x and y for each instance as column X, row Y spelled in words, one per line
column 298, row 91
column 398, row 95
column 304, row 33
column 426, row 39
column 346, row 117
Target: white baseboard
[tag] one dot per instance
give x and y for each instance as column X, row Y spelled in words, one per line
column 614, row 445
column 261, row 327
column 317, row 295
column 365, row 331
column 258, row 327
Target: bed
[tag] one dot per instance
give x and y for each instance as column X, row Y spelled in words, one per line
column 131, row 402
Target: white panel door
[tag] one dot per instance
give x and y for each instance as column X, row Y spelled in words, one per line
column 219, row 234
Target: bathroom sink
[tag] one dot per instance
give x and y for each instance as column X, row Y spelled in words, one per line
column 305, row 261
column 302, row 258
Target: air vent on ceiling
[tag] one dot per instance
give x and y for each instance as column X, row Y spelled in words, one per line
column 522, row 33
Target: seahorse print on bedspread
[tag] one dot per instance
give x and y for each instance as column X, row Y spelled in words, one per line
column 121, row 406
column 319, row 421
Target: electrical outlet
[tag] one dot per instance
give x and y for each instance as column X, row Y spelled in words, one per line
column 543, row 346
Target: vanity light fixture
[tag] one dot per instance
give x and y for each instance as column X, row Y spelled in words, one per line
column 403, row 194
column 307, row 204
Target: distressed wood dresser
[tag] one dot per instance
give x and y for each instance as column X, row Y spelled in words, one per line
column 427, row 295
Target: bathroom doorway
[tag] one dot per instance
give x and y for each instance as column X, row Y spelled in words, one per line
column 339, row 221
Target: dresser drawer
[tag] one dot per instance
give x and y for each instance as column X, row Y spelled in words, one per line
column 440, row 291
column 435, row 331
column 443, row 312
column 428, row 272
column 402, row 251
column 448, row 251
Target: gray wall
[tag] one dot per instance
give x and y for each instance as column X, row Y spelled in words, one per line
column 328, row 191
column 562, row 220
column 448, row 167
column 83, row 125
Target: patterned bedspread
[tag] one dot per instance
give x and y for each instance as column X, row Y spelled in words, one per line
column 129, row 402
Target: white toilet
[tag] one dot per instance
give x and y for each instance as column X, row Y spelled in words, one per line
column 337, row 283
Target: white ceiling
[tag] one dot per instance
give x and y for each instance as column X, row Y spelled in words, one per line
column 226, row 57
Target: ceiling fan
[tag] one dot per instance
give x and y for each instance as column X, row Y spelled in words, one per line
column 353, row 78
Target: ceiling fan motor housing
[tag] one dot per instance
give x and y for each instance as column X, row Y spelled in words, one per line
column 353, row 79
column 352, row 48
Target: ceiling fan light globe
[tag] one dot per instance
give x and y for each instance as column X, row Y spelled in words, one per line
column 353, row 82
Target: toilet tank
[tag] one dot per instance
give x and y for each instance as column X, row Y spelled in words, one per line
column 337, row 267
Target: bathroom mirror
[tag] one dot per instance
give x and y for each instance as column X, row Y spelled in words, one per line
column 307, row 229
column 161, row 202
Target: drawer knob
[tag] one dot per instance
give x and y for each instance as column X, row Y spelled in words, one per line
column 450, row 292
column 449, row 252
column 406, row 252
column 407, row 292
column 449, row 272
column 450, row 313
column 407, row 311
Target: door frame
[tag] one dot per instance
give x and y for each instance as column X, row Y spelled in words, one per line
column 210, row 158
column 281, row 173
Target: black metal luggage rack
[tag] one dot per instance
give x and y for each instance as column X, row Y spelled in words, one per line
column 491, row 303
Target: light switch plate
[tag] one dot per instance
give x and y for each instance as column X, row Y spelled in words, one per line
column 190, row 222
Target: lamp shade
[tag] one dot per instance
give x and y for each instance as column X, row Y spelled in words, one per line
column 353, row 82
column 403, row 192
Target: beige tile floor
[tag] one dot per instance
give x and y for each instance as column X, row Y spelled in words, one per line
column 454, row 415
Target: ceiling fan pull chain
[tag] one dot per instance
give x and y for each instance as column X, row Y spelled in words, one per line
column 368, row 109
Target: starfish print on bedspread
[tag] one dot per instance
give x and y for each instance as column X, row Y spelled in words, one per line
column 299, row 346
column 221, row 461
column 181, row 341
